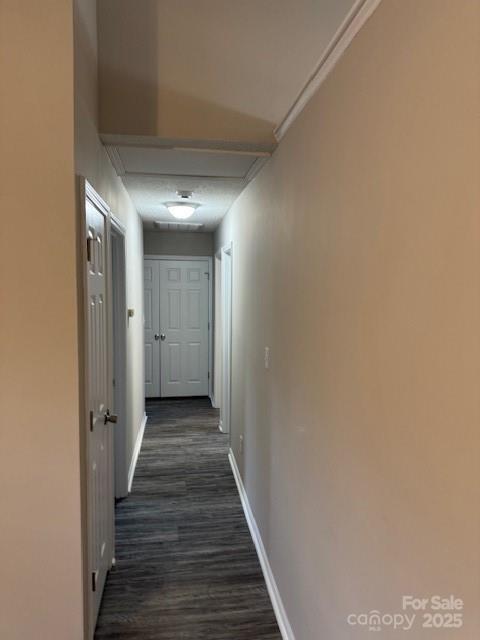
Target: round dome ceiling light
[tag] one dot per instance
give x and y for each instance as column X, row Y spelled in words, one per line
column 180, row 210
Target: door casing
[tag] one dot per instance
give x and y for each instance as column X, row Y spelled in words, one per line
column 209, row 260
column 226, row 257
column 86, row 191
column 118, row 332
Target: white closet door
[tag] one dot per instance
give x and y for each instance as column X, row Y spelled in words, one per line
column 100, row 437
column 184, row 327
column 152, row 328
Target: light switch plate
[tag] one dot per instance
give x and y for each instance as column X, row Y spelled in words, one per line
column 267, row 357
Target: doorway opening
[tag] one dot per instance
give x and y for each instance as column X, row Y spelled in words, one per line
column 118, row 306
column 223, row 335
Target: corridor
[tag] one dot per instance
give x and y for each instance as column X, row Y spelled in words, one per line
column 186, row 567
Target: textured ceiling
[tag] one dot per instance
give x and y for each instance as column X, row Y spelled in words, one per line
column 149, row 193
column 154, row 174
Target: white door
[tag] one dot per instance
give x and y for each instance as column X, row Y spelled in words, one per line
column 152, row 328
column 184, row 327
column 99, row 430
column 176, row 327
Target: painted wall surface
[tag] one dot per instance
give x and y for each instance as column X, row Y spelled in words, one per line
column 178, row 243
column 92, row 162
column 228, row 77
column 356, row 259
column 40, row 531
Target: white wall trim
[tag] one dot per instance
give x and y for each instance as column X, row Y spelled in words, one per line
column 118, row 349
column 354, row 21
column 136, row 451
column 280, row 613
column 90, row 193
column 116, row 160
column 221, row 146
column 227, row 333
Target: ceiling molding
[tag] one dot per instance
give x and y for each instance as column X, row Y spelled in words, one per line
column 255, row 168
column 224, row 146
column 186, row 176
column 116, row 160
column 354, row 21
column 177, row 226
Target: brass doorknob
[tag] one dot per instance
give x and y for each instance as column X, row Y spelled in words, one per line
column 109, row 417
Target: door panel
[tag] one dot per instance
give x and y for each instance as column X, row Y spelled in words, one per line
column 100, row 437
column 194, row 311
column 152, row 329
column 194, row 362
column 173, row 363
column 174, row 309
column 184, row 322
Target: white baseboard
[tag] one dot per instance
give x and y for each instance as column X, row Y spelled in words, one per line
column 279, row 609
column 136, row 451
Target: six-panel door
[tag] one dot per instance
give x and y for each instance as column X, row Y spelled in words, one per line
column 183, row 316
column 100, row 440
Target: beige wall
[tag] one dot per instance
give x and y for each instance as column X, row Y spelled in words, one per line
column 178, row 243
column 91, row 161
column 216, row 69
column 357, row 261
column 40, row 532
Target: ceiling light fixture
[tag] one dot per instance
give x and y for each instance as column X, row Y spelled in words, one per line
column 185, row 195
column 180, row 210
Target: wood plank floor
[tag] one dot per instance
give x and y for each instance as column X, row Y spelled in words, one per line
column 186, row 565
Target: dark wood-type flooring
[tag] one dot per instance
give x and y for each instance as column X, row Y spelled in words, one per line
column 186, row 564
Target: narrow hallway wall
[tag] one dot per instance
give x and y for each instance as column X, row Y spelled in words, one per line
column 40, row 523
column 92, row 162
column 356, row 260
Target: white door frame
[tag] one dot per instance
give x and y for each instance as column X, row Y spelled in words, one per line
column 209, row 260
column 86, row 191
column 118, row 332
column 226, row 254
column 217, row 330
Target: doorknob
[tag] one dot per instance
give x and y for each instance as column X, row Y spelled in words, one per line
column 109, row 417
column 156, row 336
column 162, row 337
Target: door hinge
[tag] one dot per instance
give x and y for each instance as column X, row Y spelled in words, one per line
column 209, row 326
column 91, row 420
column 94, row 580
column 89, row 249
column 209, row 375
